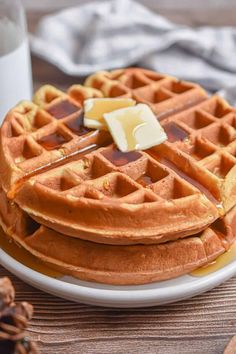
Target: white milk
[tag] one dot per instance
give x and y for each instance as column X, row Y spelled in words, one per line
column 15, row 67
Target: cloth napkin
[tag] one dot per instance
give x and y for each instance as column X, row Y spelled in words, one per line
column 111, row 34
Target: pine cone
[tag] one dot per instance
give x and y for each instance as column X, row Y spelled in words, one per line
column 13, row 322
column 7, row 293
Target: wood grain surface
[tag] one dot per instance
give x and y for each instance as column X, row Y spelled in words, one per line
column 202, row 325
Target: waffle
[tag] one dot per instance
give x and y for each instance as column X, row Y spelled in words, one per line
column 103, row 198
column 167, row 192
column 164, row 94
column 117, row 265
column 33, row 137
column 201, row 147
column 201, row 139
column 50, row 129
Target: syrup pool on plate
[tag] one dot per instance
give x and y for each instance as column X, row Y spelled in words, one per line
column 223, row 260
column 25, row 257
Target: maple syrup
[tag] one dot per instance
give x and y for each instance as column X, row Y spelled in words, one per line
column 52, row 141
column 25, row 257
column 62, row 109
column 145, row 180
column 47, row 167
column 174, row 132
column 130, row 124
column 223, row 260
column 187, row 178
column 119, row 158
column 103, row 139
column 76, row 125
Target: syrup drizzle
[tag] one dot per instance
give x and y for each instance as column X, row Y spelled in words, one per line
column 145, row 180
column 174, row 132
column 103, row 140
column 192, row 181
column 119, row 158
column 76, row 125
column 52, row 141
column 62, row 109
column 47, row 167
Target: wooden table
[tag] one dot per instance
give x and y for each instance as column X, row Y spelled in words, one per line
column 200, row 325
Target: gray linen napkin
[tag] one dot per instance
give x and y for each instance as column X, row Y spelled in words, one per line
column 112, row 34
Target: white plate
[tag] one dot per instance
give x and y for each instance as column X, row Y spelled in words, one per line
column 119, row 296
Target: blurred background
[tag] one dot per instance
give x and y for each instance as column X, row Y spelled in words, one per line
column 211, row 12
column 191, row 13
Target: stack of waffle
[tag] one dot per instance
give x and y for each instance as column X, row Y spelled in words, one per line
column 72, row 199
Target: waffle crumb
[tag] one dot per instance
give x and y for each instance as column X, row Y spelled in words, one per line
column 86, row 164
column 106, row 185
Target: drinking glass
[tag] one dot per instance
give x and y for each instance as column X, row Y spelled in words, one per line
column 15, row 65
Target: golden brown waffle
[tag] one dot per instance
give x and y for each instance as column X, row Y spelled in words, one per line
column 35, row 135
column 49, row 94
column 51, row 128
column 164, row 94
column 103, row 198
column 172, row 191
column 118, row 265
column 201, row 148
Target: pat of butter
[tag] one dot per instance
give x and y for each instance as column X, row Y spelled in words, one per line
column 95, row 108
column 135, row 128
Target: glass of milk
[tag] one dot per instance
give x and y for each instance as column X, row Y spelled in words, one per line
column 15, row 65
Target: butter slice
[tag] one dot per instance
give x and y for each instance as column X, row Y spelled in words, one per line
column 95, row 108
column 135, row 128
